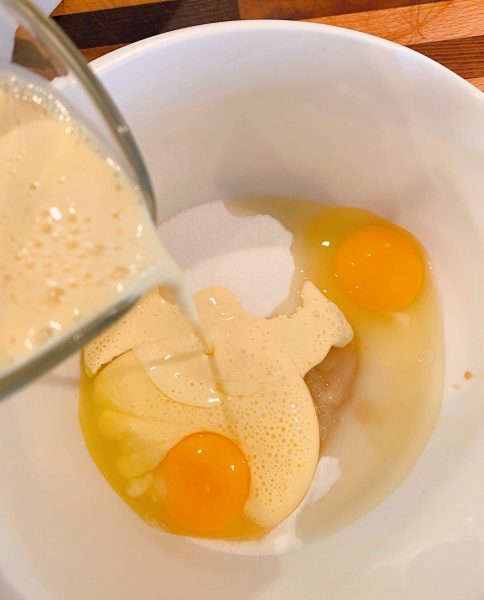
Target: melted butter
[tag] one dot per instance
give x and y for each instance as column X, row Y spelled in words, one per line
column 383, row 427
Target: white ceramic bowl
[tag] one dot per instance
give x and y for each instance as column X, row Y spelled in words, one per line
column 279, row 108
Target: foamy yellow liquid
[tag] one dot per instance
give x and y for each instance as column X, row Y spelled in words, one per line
column 75, row 235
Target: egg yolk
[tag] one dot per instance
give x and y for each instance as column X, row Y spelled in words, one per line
column 204, row 481
column 381, row 268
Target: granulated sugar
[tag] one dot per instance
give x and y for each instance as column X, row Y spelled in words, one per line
column 248, row 255
column 251, row 256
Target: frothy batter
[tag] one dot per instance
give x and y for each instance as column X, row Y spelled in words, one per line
column 75, row 235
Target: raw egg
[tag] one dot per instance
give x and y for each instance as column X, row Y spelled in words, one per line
column 204, row 481
column 378, row 433
column 380, row 267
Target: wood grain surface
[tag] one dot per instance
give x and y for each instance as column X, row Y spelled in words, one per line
column 449, row 31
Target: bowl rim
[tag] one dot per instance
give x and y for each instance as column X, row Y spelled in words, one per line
column 180, row 36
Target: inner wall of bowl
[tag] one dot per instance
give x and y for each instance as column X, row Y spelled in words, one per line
column 338, row 123
column 231, row 111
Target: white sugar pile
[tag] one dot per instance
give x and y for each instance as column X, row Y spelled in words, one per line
column 250, row 256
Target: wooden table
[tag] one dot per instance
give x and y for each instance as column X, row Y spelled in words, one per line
column 449, row 31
